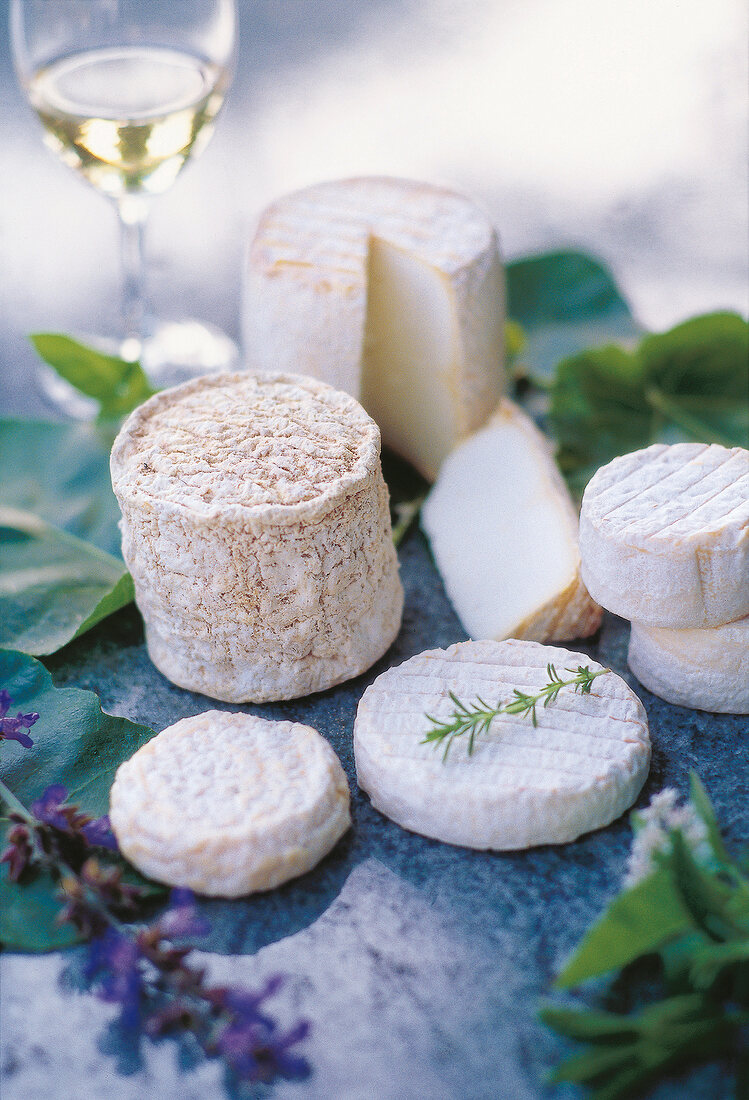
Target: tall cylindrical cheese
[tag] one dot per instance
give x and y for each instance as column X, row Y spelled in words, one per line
column 257, row 530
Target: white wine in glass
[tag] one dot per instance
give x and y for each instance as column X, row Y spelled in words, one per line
column 128, row 91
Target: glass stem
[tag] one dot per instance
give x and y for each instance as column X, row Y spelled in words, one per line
column 133, row 213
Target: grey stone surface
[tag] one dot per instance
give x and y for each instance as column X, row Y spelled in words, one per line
column 420, row 965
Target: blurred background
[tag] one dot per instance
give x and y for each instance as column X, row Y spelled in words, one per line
column 617, row 128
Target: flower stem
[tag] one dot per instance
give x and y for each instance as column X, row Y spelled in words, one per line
column 16, row 806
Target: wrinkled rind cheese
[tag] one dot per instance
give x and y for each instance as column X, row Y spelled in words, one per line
column 703, row 669
column 256, row 526
column 503, row 532
column 229, row 804
column 578, row 769
column 391, row 290
column 664, row 535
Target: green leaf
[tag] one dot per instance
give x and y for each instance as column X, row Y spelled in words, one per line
column 704, row 896
column 699, row 798
column 119, row 385
column 61, row 473
column 686, row 384
column 598, row 409
column 53, row 586
column 636, row 923
column 28, row 915
column 76, row 744
column 588, row 1026
column 565, row 301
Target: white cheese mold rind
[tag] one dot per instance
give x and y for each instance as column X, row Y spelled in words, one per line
column 664, row 535
column 326, row 260
column 580, row 768
column 262, row 559
column 230, row 804
column 704, row 669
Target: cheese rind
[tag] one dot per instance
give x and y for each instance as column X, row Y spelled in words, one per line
column 503, row 532
column 578, row 769
column 256, row 527
column 664, row 535
column 703, row 669
column 229, row 804
column 391, row 290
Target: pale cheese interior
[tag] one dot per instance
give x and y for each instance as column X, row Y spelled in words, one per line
column 500, row 531
column 410, row 355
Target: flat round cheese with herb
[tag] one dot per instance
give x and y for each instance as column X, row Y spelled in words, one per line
column 577, row 768
column 256, row 526
column 704, row 669
column 664, row 535
column 229, row 804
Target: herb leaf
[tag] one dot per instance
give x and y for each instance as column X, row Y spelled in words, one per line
column 53, row 586
column 118, row 385
column 475, row 718
column 636, row 922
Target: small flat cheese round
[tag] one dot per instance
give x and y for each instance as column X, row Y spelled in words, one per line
column 503, row 531
column 664, row 535
column 578, row 769
column 390, row 289
column 256, row 526
column 704, row 669
column 229, row 804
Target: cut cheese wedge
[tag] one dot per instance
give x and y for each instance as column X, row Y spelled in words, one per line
column 503, row 532
column 578, row 769
column 664, row 535
column 227, row 804
column 705, row 669
column 388, row 289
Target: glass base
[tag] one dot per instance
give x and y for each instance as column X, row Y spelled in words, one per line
column 173, row 352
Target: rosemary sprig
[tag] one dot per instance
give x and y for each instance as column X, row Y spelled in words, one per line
column 475, row 718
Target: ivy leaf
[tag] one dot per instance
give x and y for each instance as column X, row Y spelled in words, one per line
column 598, row 410
column 60, row 472
column 119, row 385
column 686, row 384
column 76, row 744
column 53, row 586
column 565, row 301
column 636, row 922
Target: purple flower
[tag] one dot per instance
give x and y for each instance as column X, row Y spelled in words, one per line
column 99, row 833
column 181, row 918
column 256, row 1053
column 11, row 728
column 116, row 962
column 48, row 808
column 244, row 1004
column 18, row 853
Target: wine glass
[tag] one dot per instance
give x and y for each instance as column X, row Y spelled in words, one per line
column 127, row 92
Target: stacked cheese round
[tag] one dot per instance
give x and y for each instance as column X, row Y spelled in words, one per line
column 664, row 542
column 256, row 525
